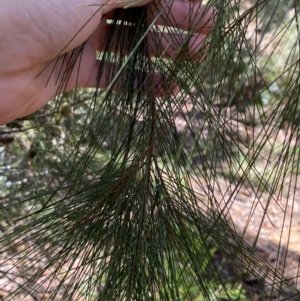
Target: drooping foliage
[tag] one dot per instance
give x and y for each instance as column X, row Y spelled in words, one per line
column 124, row 194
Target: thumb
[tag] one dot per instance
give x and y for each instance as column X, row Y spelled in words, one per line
column 109, row 5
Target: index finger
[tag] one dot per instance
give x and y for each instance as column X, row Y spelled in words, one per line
column 185, row 15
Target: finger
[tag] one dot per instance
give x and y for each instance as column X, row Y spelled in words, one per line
column 111, row 5
column 159, row 43
column 185, row 15
column 159, row 84
column 176, row 46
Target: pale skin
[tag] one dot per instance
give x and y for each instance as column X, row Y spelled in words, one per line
column 33, row 33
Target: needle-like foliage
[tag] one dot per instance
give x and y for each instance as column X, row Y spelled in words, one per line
column 127, row 194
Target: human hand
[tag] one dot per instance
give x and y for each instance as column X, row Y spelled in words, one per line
column 33, row 33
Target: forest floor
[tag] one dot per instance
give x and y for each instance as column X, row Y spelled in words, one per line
column 268, row 222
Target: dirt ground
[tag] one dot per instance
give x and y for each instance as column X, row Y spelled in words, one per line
column 268, row 221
